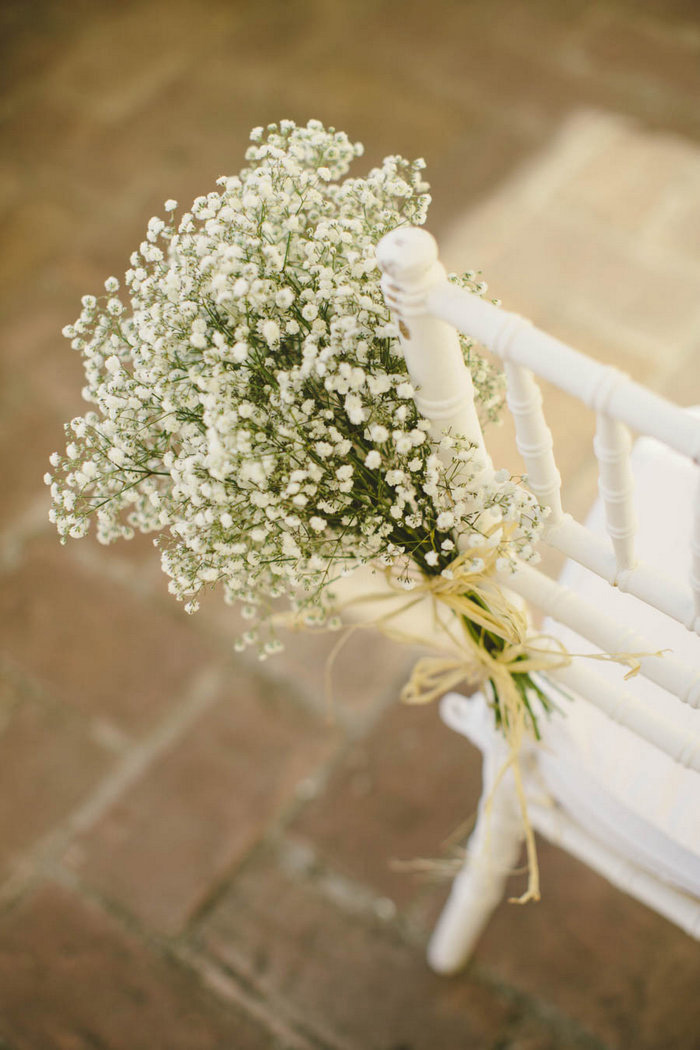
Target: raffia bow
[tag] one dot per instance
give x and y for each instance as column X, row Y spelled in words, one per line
column 474, row 597
column 480, row 608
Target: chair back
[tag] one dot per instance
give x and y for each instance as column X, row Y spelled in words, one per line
column 430, row 311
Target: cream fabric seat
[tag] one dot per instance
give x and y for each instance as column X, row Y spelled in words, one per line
column 604, row 773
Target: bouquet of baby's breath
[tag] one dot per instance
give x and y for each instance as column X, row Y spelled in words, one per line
column 252, row 405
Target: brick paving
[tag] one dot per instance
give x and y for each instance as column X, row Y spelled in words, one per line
column 193, row 853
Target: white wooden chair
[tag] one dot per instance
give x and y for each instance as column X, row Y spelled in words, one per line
column 615, row 780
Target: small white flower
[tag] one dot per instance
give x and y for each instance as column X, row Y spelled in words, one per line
column 271, row 332
column 116, row 455
column 353, row 406
column 378, row 433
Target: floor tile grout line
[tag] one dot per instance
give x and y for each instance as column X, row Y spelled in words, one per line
column 28, row 689
column 43, row 857
column 530, row 1005
column 539, row 1009
column 199, row 697
column 365, row 898
column 278, row 828
column 261, row 1003
column 224, row 987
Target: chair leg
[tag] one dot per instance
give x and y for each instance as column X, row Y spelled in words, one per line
column 493, row 852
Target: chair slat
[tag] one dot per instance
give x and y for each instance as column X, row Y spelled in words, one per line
column 695, row 556
column 612, row 446
column 650, row 586
column 629, row 711
column 607, row 634
column 534, row 438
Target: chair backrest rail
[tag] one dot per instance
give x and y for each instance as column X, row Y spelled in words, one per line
column 569, row 608
column 602, row 388
column 650, row 586
column 629, row 711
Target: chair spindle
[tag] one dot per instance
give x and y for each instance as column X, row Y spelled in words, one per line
column 612, row 446
column 534, row 438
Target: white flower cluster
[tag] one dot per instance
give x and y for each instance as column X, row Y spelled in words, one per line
column 251, row 400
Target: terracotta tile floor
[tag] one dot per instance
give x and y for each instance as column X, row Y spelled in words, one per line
column 191, row 856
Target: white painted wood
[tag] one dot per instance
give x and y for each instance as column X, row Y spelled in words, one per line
column 639, row 774
column 444, row 390
column 609, row 635
column 417, row 285
column 622, row 706
column 444, row 393
column 681, row 908
column 448, row 951
column 605, row 390
column 695, row 558
column 534, row 438
column 599, row 822
column 612, row 446
column 492, row 854
column 646, row 583
column 600, row 387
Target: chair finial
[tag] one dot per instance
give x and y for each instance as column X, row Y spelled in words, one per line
column 407, row 253
column 408, row 258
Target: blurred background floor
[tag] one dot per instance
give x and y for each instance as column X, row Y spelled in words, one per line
column 191, row 856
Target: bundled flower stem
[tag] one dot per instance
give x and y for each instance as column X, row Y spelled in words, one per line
column 251, row 404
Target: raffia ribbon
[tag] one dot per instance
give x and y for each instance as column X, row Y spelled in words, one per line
column 475, row 595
